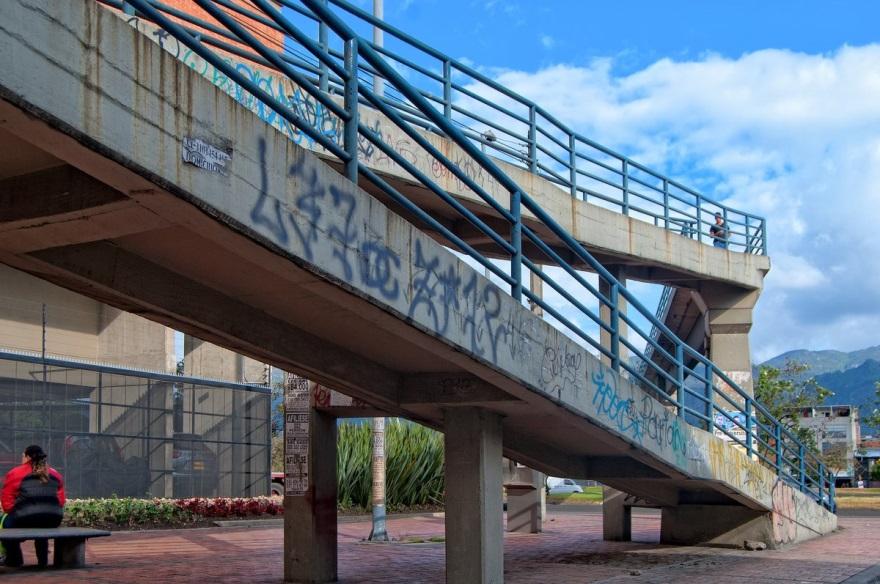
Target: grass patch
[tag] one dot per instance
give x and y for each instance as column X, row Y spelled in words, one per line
column 858, row 498
column 590, row 496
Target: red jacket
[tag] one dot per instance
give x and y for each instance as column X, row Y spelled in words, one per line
column 12, row 484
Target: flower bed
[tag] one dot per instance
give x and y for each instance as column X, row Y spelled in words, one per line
column 164, row 513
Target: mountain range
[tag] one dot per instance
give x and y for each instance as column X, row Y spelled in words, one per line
column 851, row 376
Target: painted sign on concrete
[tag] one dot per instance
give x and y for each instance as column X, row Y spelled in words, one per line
column 205, row 156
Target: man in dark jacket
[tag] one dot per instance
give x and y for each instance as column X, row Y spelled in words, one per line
column 32, row 496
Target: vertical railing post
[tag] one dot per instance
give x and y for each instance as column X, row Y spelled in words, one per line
column 777, row 430
column 764, row 236
column 749, row 427
column 350, row 129
column 821, row 481
column 516, row 242
column 710, row 401
column 614, row 323
column 748, row 237
column 666, row 202
column 572, row 166
column 323, row 74
column 727, row 228
column 533, row 139
column 447, row 89
column 832, row 496
column 802, row 455
column 699, row 210
column 679, row 377
column 624, row 167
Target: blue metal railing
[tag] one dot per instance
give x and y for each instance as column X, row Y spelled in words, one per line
column 717, row 396
column 522, row 132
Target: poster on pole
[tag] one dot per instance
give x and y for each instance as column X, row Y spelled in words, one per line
column 296, row 436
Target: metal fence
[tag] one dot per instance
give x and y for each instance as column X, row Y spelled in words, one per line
column 698, row 390
column 113, row 431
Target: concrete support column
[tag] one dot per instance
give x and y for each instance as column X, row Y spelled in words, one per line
column 616, row 516
column 525, row 495
column 728, row 322
column 618, row 272
column 310, row 516
column 474, row 516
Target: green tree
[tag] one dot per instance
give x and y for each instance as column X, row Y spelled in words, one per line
column 875, row 472
column 872, row 418
column 785, row 393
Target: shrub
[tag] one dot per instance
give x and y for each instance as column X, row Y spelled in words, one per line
column 413, row 461
column 126, row 513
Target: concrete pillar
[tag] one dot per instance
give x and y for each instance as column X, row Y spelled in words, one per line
column 203, row 359
column 729, row 320
column 474, row 516
column 616, row 516
column 132, row 341
column 618, row 272
column 310, row 516
column 524, row 501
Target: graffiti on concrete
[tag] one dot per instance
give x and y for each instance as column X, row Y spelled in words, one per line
column 561, row 368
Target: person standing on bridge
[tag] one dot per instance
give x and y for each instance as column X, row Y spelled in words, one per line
column 719, row 232
column 32, row 496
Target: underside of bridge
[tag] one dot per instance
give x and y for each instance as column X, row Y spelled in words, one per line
column 279, row 257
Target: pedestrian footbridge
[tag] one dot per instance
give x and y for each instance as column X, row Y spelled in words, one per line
column 148, row 166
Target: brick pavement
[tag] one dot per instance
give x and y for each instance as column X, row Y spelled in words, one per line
column 571, row 550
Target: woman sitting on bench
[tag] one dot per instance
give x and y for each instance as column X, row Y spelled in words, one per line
column 33, row 496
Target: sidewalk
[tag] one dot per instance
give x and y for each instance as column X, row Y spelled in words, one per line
column 570, row 550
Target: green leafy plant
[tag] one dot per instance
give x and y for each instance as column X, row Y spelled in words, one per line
column 414, row 465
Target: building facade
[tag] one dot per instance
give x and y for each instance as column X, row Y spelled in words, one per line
column 837, row 432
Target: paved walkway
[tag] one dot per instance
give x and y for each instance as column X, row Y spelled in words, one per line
column 571, row 550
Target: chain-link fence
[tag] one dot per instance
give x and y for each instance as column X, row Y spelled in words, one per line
column 112, row 431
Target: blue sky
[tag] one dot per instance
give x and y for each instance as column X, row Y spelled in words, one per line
column 533, row 34
column 772, row 107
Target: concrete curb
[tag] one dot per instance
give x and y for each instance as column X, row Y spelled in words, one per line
column 868, row 576
column 279, row 521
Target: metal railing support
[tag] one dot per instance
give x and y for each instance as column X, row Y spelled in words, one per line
column 624, row 168
column 710, row 402
column 572, row 166
column 777, row 430
column 516, row 241
column 802, row 456
column 614, row 323
column 679, row 378
column 533, row 139
column 447, row 89
column 323, row 76
column 350, row 128
column 749, row 427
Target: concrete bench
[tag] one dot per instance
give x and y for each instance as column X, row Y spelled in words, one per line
column 70, row 542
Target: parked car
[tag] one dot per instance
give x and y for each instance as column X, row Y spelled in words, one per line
column 557, row 486
column 95, row 466
column 276, row 487
column 195, row 469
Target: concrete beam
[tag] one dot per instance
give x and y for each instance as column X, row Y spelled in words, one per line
column 620, row 467
column 129, row 282
column 449, row 389
column 474, row 520
column 63, row 206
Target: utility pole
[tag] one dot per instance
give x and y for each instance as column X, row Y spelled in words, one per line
column 379, row 532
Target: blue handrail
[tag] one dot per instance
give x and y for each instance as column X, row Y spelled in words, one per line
column 719, row 397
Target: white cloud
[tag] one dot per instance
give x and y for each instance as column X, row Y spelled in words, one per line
column 791, row 136
column 547, row 41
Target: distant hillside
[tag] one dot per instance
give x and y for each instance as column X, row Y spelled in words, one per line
column 854, row 386
column 820, row 362
column 851, row 376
